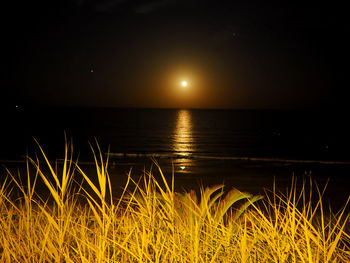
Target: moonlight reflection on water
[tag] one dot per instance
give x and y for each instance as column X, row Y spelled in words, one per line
column 183, row 140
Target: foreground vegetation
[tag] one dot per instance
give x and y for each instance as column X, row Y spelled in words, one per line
column 150, row 222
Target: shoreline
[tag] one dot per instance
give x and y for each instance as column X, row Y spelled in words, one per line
column 253, row 175
column 170, row 156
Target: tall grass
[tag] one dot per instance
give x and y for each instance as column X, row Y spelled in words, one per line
column 150, row 222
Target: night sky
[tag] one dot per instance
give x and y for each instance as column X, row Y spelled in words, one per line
column 125, row 53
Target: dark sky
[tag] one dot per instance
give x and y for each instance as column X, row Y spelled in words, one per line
column 234, row 54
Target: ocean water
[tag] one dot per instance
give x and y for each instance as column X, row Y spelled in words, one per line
column 313, row 135
column 246, row 149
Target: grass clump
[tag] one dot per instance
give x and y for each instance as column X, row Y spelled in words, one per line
column 150, row 222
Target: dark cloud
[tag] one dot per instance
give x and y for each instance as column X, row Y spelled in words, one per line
column 151, row 6
column 109, row 5
column 140, row 7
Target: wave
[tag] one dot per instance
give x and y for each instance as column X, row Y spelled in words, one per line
column 213, row 157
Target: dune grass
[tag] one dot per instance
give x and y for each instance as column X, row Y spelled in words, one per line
column 150, row 222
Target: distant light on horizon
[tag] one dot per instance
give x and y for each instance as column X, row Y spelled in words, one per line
column 184, row 83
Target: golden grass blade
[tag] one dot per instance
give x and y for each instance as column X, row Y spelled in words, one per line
column 96, row 214
column 18, row 184
column 49, row 185
column 162, row 176
column 53, row 173
column 244, row 207
column 91, row 184
column 50, row 218
column 230, row 199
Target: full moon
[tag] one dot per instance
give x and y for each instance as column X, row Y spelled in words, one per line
column 184, row 83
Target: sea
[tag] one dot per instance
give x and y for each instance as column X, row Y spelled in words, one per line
column 251, row 150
